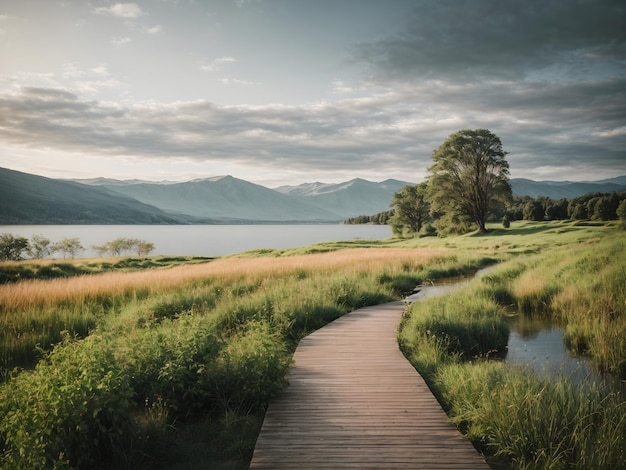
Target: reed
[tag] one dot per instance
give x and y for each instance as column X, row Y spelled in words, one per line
column 464, row 324
column 516, row 418
column 599, row 289
column 527, row 422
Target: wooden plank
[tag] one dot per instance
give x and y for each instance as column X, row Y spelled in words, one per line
column 354, row 401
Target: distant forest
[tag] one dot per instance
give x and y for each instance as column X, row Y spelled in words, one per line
column 592, row 206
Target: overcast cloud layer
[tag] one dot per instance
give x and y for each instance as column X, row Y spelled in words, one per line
column 548, row 77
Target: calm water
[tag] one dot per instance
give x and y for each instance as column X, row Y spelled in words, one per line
column 534, row 342
column 539, row 344
column 203, row 240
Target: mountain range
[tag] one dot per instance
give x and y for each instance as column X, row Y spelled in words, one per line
column 32, row 199
column 566, row 189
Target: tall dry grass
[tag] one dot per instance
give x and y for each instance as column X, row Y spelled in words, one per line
column 36, row 314
column 40, row 293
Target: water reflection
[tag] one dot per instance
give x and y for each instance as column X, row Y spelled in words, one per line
column 535, row 341
column 538, row 342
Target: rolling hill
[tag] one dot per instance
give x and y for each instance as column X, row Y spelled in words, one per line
column 31, row 199
column 349, row 199
column 226, row 199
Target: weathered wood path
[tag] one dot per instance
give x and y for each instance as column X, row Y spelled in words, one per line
column 354, row 401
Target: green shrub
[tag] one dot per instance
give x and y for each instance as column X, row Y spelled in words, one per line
column 250, row 369
column 73, row 409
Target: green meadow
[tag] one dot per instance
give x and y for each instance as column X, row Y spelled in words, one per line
column 573, row 274
column 170, row 363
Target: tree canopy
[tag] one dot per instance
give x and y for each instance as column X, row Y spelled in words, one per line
column 410, row 209
column 469, row 177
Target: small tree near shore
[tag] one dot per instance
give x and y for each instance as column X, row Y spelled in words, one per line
column 40, row 247
column 12, row 247
column 121, row 246
column 69, row 247
column 410, row 209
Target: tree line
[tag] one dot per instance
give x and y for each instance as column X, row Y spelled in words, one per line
column 14, row 248
column 468, row 186
column 592, row 206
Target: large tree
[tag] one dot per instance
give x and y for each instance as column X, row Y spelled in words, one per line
column 470, row 176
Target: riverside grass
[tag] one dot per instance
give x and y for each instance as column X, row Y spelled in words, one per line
column 36, row 312
column 198, row 347
column 178, row 363
column 518, row 419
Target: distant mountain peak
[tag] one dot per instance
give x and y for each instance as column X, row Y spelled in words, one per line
column 214, row 179
column 115, row 182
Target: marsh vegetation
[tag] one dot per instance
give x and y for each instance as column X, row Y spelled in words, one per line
column 172, row 365
column 518, row 418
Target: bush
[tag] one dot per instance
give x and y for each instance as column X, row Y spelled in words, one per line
column 506, row 222
column 250, row 369
column 73, row 410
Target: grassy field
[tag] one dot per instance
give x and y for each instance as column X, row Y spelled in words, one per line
column 170, row 363
column 517, row 418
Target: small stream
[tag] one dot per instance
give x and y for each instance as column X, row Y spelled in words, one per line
column 536, row 342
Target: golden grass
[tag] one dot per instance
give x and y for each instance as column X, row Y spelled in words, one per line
column 32, row 293
column 529, row 284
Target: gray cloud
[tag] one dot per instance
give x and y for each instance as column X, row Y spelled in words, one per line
column 544, row 126
column 490, row 39
column 548, row 76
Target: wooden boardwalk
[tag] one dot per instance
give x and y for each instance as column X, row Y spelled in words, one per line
column 354, row 401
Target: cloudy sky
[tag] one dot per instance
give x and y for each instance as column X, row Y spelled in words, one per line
column 292, row 91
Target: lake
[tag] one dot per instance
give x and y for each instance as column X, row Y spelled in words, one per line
column 203, row 240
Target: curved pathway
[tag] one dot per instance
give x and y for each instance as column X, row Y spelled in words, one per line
column 354, row 401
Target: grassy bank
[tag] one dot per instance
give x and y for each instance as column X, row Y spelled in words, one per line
column 180, row 363
column 517, row 418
